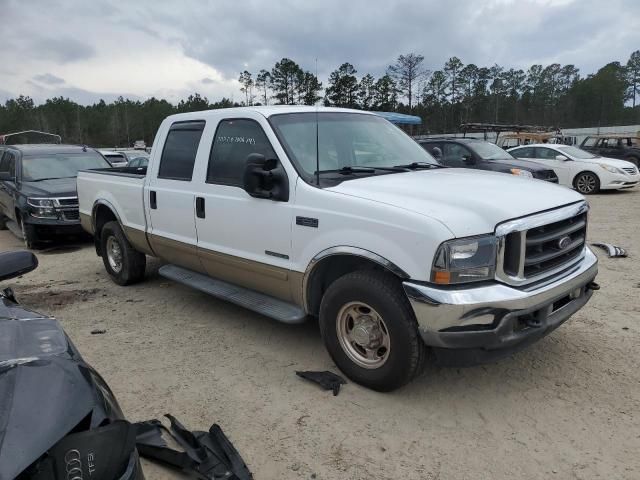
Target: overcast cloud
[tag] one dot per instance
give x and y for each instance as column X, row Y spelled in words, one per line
column 106, row 48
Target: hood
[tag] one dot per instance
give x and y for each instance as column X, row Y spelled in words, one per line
column 614, row 162
column 517, row 163
column 58, row 187
column 468, row 202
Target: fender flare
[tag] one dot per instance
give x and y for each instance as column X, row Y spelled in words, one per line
column 346, row 250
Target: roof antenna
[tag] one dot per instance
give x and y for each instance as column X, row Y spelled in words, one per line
column 317, row 135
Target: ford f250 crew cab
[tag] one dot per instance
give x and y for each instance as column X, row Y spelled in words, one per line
column 298, row 212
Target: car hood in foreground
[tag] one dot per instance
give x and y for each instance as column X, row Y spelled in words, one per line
column 468, row 202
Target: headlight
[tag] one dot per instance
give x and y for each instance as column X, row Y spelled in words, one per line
column 465, row 260
column 611, row 169
column 42, row 208
column 521, row 173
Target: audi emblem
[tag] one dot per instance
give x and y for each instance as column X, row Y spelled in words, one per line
column 73, row 464
column 564, row 242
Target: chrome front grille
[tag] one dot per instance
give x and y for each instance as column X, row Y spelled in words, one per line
column 553, row 245
column 630, row 170
column 66, row 201
column 541, row 245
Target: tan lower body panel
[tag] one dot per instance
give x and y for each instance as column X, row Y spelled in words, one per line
column 274, row 281
column 178, row 253
column 138, row 240
column 86, row 223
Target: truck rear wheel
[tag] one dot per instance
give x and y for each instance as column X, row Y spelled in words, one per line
column 370, row 331
column 123, row 263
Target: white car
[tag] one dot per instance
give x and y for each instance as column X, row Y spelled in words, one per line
column 116, row 159
column 579, row 169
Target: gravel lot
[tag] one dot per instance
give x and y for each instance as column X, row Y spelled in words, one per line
column 568, row 407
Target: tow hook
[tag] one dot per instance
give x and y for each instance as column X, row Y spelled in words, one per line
column 593, row 286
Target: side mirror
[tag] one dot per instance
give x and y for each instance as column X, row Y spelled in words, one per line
column 13, row 264
column 264, row 178
column 468, row 159
column 562, row 158
column 6, row 177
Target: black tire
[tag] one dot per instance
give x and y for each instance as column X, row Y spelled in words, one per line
column 3, row 223
column 29, row 235
column 633, row 160
column 383, row 293
column 586, row 183
column 132, row 263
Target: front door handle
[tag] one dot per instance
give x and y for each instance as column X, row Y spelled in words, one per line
column 153, row 203
column 200, row 207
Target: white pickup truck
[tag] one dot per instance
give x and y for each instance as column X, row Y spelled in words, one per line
column 298, row 212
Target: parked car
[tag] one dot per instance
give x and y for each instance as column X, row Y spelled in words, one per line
column 338, row 214
column 116, row 159
column 38, row 188
column 139, row 162
column 614, row 146
column 579, row 169
column 59, row 418
column 482, row 155
column 133, row 154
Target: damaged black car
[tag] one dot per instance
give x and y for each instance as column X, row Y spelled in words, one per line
column 59, row 419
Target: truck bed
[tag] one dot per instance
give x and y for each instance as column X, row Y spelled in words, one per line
column 122, row 188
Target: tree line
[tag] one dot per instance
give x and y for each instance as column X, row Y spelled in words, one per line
column 553, row 95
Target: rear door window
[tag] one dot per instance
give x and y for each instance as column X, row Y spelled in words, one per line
column 234, row 141
column 179, row 152
column 526, row 152
column 8, row 163
column 546, row 153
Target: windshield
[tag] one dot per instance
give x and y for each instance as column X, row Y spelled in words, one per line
column 490, row 151
column 136, row 154
column 345, row 140
column 59, row 165
column 576, row 152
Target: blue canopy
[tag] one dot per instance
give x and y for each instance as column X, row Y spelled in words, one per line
column 400, row 118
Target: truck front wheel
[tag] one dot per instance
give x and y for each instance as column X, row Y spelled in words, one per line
column 370, row 330
column 123, row 263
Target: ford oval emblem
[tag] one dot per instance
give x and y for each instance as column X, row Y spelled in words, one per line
column 564, row 242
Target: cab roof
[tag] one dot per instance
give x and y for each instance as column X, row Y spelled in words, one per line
column 266, row 111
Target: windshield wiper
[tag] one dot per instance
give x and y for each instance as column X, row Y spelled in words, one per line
column 49, row 178
column 360, row 169
column 419, row 166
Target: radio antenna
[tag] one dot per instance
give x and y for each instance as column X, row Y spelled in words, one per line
column 317, row 137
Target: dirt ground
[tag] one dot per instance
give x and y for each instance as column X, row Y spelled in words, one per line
column 568, row 407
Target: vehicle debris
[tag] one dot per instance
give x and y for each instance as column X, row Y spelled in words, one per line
column 207, row 455
column 612, row 250
column 98, row 331
column 327, row 380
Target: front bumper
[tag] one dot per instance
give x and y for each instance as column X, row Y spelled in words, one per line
column 617, row 182
column 491, row 321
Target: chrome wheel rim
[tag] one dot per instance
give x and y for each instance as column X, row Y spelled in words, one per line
column 363, row 335
column 114, row 254
column 586, row 184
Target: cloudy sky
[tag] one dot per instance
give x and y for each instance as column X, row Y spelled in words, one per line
column 88, row 50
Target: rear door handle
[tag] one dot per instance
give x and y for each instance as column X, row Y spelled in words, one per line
column 152, row 200
column 200, row 207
